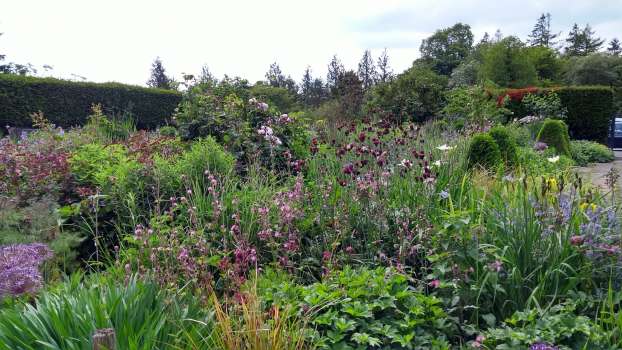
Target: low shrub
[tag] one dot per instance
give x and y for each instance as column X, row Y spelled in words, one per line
column 167, row 130
column 545, row 162
column 484, row 151
column 585, row 152
column 362, row 308
column 506, row 143
column 555, row 134
column 559, row 328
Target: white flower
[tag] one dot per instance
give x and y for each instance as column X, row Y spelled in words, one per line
column 437, row 163
column 553, row 159
column 406, row 163
column 444, row 147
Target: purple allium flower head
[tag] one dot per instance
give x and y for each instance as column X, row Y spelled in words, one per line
column 19, row 268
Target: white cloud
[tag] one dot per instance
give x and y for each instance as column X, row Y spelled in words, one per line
column 117, row 40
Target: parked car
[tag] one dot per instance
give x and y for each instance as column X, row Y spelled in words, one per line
column 615, row 133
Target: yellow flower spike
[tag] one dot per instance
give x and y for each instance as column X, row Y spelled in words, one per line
column 582, row 206
column 593, row 207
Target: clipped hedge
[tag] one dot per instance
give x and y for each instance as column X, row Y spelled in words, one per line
column 590, row 108
column 506, row 143
column 555, row 134
column 484, row 152
column 67, row 103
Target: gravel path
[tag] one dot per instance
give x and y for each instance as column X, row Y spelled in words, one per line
column 597, row 172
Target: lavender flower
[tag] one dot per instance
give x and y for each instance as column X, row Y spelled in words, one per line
column 19, row 268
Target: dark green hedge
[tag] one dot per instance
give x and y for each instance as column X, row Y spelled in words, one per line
column 590, row 108
column 67, row 103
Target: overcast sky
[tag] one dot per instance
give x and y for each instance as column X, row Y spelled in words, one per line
column 117, row 40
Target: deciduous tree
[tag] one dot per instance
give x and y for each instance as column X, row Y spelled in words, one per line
column 447, row 47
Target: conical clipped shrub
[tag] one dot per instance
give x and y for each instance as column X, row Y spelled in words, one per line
column 484, row 151
column 506, row 143
column 555, row 134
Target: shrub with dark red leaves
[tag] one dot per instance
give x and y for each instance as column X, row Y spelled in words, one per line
column 31, row 171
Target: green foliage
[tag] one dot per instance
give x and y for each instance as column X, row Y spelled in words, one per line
column 109, row 130
column 506, row 143
column 585, row 152
column 203, row 155
column 168, row 130
column 544, row 105
column 595, row 69
column 538, row 163
column 362, row 308
column 67, row 103
column 92, row 163
column 416, row 94
column 588, row 109
column 555, row 134
column 582, row 42
column 561, row 326
column 447, row 47
column 473, row 104
column 66, row 317
column 466, row 74
column 349, row 94
column 547, row 64
column 279, row 97
column 507, row 63
column 484, row 152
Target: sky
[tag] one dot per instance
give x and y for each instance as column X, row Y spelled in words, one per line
column 117, row 40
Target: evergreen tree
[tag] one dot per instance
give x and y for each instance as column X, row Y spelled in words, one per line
column 206, row 77
column 614, row 47
column 335, row 71
column 306, row 87
column 349, row 91
column 367, row 71
column 291, row 86
column 582, row 42
column 485, row 39
column 384, row 73
column 275, row 76
column 541, row 34
column 592, row 43
column 319, row 94
column 158, row 78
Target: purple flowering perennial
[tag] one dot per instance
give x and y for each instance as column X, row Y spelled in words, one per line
column 542, row 346
column 19, row 268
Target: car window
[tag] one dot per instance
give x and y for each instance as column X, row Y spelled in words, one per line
column 617, row 132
